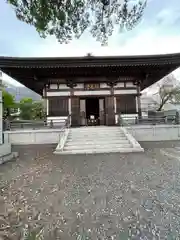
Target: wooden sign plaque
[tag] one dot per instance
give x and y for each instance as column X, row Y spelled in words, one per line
column 91, row 86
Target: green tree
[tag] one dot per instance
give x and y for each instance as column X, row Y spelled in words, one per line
column 168, row 93
column 168, row 96
column 30, row 110
column 68, row 19
column 38, row 110
column 8, row 103
column 26, row 108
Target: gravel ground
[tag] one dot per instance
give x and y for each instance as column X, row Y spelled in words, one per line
column 102, row 196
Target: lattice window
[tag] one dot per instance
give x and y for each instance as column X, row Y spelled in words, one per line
column 58, row 106
column 126, row 104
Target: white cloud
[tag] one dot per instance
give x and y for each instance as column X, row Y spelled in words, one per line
column 145, row 41
column 168, row 16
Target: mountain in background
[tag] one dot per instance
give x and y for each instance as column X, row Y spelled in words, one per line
column 22, row 92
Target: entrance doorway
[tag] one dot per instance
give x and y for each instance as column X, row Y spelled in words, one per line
column 92, row 111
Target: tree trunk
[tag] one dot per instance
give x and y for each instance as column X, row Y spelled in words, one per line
column 160, row 107
column 8, row 113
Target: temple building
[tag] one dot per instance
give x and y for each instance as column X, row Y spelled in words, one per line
column 91, row 90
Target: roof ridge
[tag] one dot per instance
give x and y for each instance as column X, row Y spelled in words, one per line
column 94, row 57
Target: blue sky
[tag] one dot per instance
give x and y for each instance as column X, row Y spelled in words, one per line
column 159, row 32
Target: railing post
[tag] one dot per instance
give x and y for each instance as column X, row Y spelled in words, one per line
column 177, row 118
column 67, row 121
column 120, row 120
column 136, row 120
column 51, row 123
column 45, row 123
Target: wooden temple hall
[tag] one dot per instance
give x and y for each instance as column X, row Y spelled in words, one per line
column 91, row 90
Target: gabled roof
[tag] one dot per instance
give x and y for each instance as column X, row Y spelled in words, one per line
column 35, row 72
column 56, row 62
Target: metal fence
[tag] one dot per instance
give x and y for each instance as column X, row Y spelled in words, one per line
column 146, row 120
column 34, row 125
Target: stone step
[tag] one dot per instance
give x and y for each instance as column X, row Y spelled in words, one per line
column 95, row 128
column 97, row 132
column 8, row 157
column 96, row 136
column 83, row 139
column 94, row 151
column 97, row 142
column 87, row 147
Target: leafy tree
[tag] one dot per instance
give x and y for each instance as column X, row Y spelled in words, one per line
column 168, row 93
column 30, row 110
column 8, row 103
column 38, row 110
column 26, row 108
column 68, row 19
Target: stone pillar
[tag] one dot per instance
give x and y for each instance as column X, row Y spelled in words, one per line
column 1, row 113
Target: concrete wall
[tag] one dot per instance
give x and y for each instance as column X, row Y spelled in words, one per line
column 49, row 136
column 155, row 133
column 25, row 137
column 57, row 121
column 5, row 149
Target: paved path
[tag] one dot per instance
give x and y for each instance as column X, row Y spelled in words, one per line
column 99, row 196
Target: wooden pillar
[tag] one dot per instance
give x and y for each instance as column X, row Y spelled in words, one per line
column 46, row 105
column 75, row 105
column 139, row 99
column 101, row 111
column 109, row 105
column 75, row 111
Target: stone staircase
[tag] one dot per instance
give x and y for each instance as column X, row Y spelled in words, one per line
column 89, row 140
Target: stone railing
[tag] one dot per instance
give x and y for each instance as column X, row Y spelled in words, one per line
column 64, row 134
column 38, row 136
column 149, row 120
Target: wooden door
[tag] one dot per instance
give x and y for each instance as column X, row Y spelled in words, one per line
column 110, row 114
column 75, row 111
